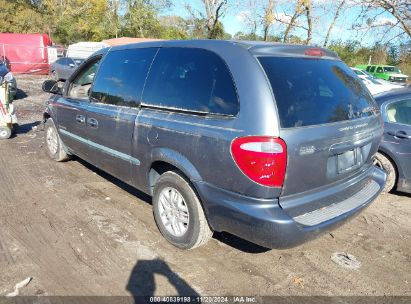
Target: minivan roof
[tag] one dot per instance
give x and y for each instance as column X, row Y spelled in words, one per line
column 259, row 48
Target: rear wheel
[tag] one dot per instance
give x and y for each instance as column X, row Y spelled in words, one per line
column 178, row 212
column 5, row 132
column 386, row 164
column 54, row 145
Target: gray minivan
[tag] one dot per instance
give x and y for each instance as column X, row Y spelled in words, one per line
column 270, row 142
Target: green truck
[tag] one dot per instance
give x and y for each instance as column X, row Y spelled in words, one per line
column 386, row 72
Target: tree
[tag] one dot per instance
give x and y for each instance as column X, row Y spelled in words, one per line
column 298, row 10
column 334, row 20
column 301, row 7
column 308, row 8
column 268, row 18
column 28, row 19
column 214, row 10
column 372, row 10
column 251, row 18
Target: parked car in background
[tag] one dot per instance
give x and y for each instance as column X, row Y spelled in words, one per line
column 374, row 85
column 8, row 77
column 245, row 137
column 63, row 67
column 394, row 153
column 386, row 72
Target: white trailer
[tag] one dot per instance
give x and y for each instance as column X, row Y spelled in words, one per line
column 83, row 50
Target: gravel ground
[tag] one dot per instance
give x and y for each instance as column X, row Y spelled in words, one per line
column 77, row 231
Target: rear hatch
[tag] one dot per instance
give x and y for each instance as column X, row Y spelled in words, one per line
column 329, row 122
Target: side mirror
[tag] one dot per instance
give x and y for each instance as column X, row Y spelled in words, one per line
column 51, row 86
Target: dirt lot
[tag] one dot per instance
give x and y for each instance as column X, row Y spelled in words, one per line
column 78, row 231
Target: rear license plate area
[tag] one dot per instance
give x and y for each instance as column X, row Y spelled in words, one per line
column 346, row 160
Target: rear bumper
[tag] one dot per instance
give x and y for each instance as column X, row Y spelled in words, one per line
column 266, row 223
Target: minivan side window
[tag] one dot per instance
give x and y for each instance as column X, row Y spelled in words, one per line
column 191, row 79
column 400, row 112
column 121, row 76
column 372, row 69
column 379, row 70
column 80, row 86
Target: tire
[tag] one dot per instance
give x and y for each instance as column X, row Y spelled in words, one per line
column 195, row 231
column 54, row 146
column 55, row 76
column 386, row 164
column 5, row 132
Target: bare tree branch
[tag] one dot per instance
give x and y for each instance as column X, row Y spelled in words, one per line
column 336, row 15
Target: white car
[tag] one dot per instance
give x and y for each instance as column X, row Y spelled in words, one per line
column 375, row 85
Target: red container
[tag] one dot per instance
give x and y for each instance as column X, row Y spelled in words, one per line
column 26, row 53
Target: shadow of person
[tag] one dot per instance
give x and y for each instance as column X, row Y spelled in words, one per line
column 142, row 285
column 25, row 128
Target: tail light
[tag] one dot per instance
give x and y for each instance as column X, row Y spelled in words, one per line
column 263, row 159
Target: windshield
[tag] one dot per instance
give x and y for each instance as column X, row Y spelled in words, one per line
column 358, row 72
column 311, row 91
column 392, row 70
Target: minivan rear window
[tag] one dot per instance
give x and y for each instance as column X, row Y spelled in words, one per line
column 310, row 91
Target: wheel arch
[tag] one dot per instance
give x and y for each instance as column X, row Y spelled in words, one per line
column 163, row 160
column 394, row 164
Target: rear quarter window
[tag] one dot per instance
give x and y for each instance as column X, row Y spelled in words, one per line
column 310, row 91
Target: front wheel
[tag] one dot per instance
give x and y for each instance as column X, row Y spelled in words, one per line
column 384, row 163
column 5, row 132
column 54, row 145
column 178, row 212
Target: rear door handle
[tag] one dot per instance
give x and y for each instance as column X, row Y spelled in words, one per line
column 92, row 122
column 81, row 119
column 400, row 134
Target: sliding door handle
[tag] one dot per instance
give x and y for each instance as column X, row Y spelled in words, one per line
column 92, row 122
column 81, row 119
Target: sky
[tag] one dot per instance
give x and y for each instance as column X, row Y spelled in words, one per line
column 233, row 20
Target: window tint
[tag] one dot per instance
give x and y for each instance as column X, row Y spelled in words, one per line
column 62, row 61
column 368, row 68
column 372, row 69
column 80, row 87
column 392, row 69
column 121, row 77
column 400, row 112
column 379, row 70
column 69, row 61
column 191, row 79
column 316, row 91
